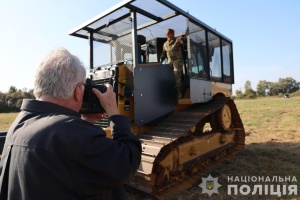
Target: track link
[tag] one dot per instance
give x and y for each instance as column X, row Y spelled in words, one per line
column 174, row 131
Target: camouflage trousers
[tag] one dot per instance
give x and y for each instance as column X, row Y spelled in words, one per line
column 178, row 71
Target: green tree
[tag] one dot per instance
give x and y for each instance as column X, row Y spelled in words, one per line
column 288, row 85
column 12, row 89
column 2, row 97
column 273, row 88
column 12, row 101
column 247, row 85
column 249, row 92
column 262, row 88
column 239, row 94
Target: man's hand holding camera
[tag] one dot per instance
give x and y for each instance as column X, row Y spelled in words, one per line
column 108, row 100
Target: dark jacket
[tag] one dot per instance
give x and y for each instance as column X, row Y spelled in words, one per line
column 54, row 154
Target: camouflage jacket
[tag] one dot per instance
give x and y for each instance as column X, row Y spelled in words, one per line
column 172, row 51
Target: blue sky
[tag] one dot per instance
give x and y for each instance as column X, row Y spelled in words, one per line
column 265, row 35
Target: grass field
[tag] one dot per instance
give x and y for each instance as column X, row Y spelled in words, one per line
column 6, row 119
column 272, row 149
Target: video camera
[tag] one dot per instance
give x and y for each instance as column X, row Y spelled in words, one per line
column 91, row 103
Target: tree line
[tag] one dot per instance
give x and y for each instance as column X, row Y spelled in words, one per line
column 12, row 100
column 267, row 88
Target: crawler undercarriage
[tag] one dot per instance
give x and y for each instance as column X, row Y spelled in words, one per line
column 188, row 145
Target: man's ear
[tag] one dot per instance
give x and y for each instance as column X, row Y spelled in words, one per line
column 78, row 92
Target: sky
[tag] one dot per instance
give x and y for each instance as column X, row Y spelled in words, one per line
column 265, row 35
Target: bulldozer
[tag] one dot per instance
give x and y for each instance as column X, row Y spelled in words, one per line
column 182, row 139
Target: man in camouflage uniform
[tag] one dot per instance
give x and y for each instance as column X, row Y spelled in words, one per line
column 172, row 51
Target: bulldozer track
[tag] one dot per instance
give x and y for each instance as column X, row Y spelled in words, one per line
column 176, row 130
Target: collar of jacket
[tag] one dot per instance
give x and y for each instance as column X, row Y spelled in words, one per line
column 32, row 105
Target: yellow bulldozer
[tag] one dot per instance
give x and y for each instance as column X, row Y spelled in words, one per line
column 182, row 139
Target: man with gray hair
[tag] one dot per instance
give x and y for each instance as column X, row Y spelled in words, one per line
column 53, row 152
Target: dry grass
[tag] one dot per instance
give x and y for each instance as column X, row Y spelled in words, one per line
column 272, row 148
column 6, row 119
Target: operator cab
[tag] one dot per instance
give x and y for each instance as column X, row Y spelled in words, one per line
column 132, row 35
